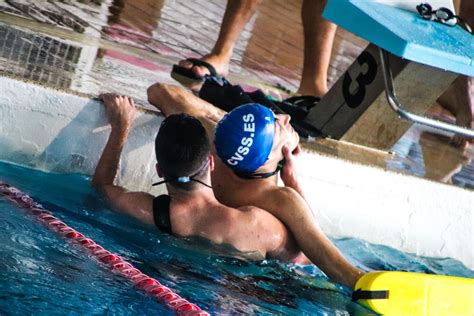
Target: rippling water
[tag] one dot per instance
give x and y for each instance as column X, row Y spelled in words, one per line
column 42, row 274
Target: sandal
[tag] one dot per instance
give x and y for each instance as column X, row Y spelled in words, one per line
column 186, row 76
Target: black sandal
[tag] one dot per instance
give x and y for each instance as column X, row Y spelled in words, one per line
column 186, row 76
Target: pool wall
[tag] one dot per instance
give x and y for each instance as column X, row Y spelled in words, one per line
column 384, row 207
column 59, row 132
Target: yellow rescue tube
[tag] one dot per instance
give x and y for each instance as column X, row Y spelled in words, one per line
column 407, row 293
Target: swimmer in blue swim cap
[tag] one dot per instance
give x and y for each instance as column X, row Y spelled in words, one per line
column 250, row 141
column 245, row 137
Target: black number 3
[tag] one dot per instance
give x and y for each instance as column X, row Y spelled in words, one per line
column 354, row 100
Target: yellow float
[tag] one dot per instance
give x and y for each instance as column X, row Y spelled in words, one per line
column 407, row 293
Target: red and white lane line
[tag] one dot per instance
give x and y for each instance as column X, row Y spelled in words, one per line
column 118, row 265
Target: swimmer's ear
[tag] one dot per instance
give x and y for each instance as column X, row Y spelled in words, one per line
column 158, row 170
column 211, row 162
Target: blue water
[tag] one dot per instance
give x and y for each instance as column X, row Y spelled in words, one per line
column 40, row 273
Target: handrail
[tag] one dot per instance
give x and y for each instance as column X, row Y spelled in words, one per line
column 397, row 106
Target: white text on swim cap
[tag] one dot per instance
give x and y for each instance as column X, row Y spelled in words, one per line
column 246, row 142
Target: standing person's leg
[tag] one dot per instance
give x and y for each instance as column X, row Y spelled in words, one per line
column 237, row 14
column 318, row 39
column 457, row 99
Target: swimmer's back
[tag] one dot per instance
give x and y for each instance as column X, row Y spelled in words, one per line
column 247, row 229
column 283, row 203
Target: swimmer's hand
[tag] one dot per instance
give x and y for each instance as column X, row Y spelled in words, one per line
column 120, row 110
column 288, row 174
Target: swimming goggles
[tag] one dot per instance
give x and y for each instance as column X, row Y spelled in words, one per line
column 442, row 15
column 263, row 175
column 185, row 179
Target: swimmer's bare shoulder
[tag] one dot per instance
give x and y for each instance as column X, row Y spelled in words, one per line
column 270, row 231
column 286, row 204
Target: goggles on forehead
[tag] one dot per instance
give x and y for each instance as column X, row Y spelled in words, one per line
column 442, row 15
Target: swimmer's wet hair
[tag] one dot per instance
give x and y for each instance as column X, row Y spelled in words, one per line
column 182, row 148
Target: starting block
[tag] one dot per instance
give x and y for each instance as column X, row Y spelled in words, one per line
column 421, row 58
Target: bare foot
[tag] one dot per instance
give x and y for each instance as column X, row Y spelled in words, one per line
column 314, row 89
column 221, row 64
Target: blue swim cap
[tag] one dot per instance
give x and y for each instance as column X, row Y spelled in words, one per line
column 244, row 137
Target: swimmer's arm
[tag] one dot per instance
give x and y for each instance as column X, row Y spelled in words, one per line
column 170, row 99
column 120, row 112
column 290, row 207
column 136, row 204
column 107, row 166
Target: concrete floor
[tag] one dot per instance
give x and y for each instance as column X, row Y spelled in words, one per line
column 89, row 47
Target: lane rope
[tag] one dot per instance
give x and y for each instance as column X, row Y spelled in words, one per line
column 118, row 265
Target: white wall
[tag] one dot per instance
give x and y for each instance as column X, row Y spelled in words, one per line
column 383, row 207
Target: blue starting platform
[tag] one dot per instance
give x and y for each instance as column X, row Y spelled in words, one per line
column 421, row 58
column 406, row 34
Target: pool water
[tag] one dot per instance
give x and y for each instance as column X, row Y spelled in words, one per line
column 41, row 273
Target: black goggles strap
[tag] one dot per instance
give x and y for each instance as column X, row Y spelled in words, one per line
column 261, row 175
column 177, row 180
column 185, row 179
